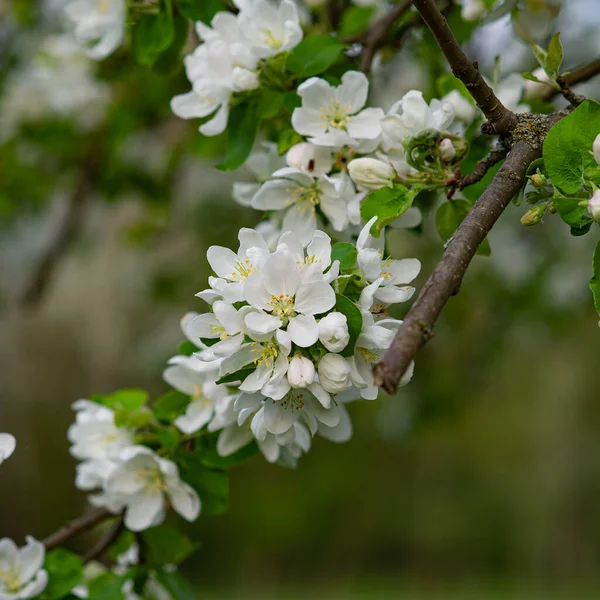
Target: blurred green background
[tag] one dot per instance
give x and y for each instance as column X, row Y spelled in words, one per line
column 479, row 480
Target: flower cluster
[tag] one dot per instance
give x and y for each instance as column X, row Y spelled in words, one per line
column 129, row 477
column 234, row 51
column 350, row 150
column 291, row 337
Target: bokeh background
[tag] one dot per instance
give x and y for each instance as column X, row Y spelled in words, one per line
column 479, row 480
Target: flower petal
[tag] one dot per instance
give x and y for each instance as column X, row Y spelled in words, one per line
column 304, row 330
column 314, row 298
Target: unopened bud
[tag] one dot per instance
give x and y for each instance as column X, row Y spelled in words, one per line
column 334, row 373
column 446, row 150
column 596, row 149
column 244, row 79
column 552, row 208
column 371, row 173
column 538, row 179
column 533, row 216
column 333, row 331
column 301, row 372
column 594, row 206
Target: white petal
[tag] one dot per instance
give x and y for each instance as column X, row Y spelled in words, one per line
column 262, row 323
column 190, row 106
column 270, row 448
column 233, row 438
column 217, row 124
column 304, row 330
column 302, row 220
column 8, row 443
column 390, row 294
column 352, row 94
column 258, row 378
column 369, row 262
column 255, row 293
column 278, row 418
column 144, row 511
column 197, row 415
column 274, row 194
column 315, row 93
column 281, row 274
column 366, row 125
column 184, row 500
column 402, row 271
column 223, row 261
column 320, row 394
column 341, row 432
column 314, row 298
column 306, row 122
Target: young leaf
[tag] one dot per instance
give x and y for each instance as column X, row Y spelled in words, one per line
column 237, row 376
column 65, row 571
column 354, row 318
column 570, row 211
column 568, row 148
column 287, row 139
column 346, row 253
column 170, row 405
column 449, row 216
column 554, row 57
column 152, row 34
column 187, row 348
column 167, row 546
column 355, row 20
column 242, row 130
column 127, row 399
column 313, row 55
column 200, row 10
column 106, row 587
column 595, row 280
column 387, row 204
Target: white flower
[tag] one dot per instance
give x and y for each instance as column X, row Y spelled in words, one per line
column 596, row 149
column 410, row 116
column 21, row 573
column 334, row 116
column 298, row 193
column 315, row 160
column 98, row 22
column 94, row 435
column 189, row 376
column 8, row 443
column 270, row 28
column 594, row 206
column 388, row 277
column 446, row 150
column 261, row 164
column 244, row 80
column 472, row 9
column 371, row 173
column 301, row 372
column 334, row 373
column 142, row 480
column 333, row 331
column 463, row 109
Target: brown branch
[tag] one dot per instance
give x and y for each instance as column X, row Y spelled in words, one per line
column 446, row 278
column 75, row 527
column 501, row 121
column 482, row 167
column 105, row 542
column 66, row 233
column 377, row 33
column 574, row 77
column 568, row 94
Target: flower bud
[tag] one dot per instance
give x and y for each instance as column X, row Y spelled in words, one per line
column 533, row 216
column 334, row 373
column 301, row 372
column 446, row 150
column 371, row 173
column 596, row 149
column 244, row 79
column 552, row 208
column 538, row 179
column 594, row 206
column 333, row 332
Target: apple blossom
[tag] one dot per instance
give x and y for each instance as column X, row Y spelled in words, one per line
column 301, row 372
column 8, row 443
column 21, row 572
column 334, row 373
column 142, row 480
column 333, row 331
column 446, row 150
column 594, row 206
column 371, row 173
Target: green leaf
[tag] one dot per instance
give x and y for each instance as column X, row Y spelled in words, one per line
column 126, row 399
column 133, row 419
column 151, row 35
column 167, row 545
column 125, row 540
column 200, row 10
column 570, row 212
column 211, row 485
column 187, row 348
column 176, row 585
column 170, row 405
column 169, row 61
column 568, row 148
column 237, row 376
column 354, row 318
column 313, row 55
column 554, row 57
column 242, row 130
column 105, row 587
column 169, row 438
column 540, row 54
column 271, row 103
column 65, row 571
column 346, row 253
column 595, row 280
column 287, row 139
column 449, row 216
column 355, row 20
column 387, row 204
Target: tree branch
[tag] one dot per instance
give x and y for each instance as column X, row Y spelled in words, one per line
column 447, row 276
column 580, row 75
column 501, row 121
column 377, row 33
column 75, row 527
column 66, row 233
column 482, row 167
column 105, row 542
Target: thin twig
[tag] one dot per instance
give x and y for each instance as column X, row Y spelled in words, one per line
column 482, row 167
column 501, row 121
column 574, row 77
column 65, row 234
column 568, row 94
column 377, row 33
column 105, row 541
column 75, row 527
column 446, row 278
